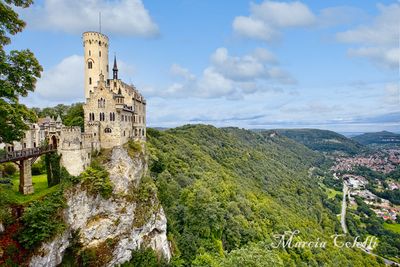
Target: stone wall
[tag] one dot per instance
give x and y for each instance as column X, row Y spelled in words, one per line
column 75, row 149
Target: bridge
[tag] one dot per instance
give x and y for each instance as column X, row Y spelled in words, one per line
column 24, row 159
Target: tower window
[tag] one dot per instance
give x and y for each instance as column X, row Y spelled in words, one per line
column 90, row 53
column 90, row 65
column 90, row 80
column 107, row 130
column 99, row 53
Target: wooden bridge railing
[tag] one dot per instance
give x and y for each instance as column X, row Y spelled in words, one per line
column 26, row 153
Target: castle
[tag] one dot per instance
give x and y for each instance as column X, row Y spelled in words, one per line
column 114, row 113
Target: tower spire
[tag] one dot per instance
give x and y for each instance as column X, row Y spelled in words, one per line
column 115, row 68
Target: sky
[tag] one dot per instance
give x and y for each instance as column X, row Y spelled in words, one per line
column 252, row 64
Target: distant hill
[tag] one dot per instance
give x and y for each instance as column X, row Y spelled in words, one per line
column 322, row 140
column 383, row 137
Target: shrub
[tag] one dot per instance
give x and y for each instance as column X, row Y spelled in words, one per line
column 9, row 169
column 134, row 148
column 144, row 257
column 38, row 167
column 97, row 181
column 42, row 220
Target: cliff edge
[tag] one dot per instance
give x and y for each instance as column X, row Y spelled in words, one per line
column 110, row 227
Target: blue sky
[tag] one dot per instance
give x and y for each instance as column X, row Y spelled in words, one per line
column 253, row 64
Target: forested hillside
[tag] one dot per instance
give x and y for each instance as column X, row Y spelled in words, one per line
column 322, row 140
column 383, row 137
column 227, row 192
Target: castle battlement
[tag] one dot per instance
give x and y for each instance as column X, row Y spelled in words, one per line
column 95, row 36
column 71, row 129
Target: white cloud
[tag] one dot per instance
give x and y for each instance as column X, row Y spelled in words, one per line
column 253, row 28
column 228, row 76
column 266, row 19
column 340, row 15
column 125, row 17
column 64, row 81
column 378, row 41
column 282, row 14
column 177, row 70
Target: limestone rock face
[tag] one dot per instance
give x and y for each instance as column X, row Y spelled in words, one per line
column 121, row 220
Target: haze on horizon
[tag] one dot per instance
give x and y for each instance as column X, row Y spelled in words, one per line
column 252, row 64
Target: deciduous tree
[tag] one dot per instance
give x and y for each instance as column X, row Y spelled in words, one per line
column 19, row 71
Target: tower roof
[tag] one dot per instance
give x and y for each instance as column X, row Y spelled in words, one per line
column 115, row 68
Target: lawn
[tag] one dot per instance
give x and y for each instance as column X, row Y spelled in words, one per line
column 329, row 191
column 392, row 227
column 12, row 194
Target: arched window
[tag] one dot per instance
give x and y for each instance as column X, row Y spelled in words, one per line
column 90, row 80
column 90, row 64
column 90, row 53
column 107, row 130
column 113, row 116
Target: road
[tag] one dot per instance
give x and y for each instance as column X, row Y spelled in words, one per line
column 344, row 226
column 387, row 262
column 344, row 206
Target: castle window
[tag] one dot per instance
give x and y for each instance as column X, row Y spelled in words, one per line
column 90, row 53
column 90, row 80
column 99, row 53
column 107, row 130
column 124, row 133
column 102, row 116
column 90, row 65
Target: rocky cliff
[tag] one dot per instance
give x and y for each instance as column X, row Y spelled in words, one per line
column 113, row 227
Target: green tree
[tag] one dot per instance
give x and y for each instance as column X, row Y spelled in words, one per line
column 74, row 115
column 19, row 71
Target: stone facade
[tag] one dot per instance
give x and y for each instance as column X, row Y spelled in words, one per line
column 114, row 113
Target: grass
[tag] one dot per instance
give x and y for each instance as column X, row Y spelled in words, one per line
column 12, row 194
column 329, row 191
column 392, row 227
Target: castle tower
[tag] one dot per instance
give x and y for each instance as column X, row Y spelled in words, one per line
column 95, row 46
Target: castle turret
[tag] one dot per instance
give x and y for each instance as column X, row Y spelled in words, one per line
column 115, row 69
column 96, row 59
